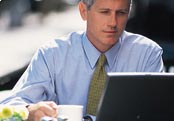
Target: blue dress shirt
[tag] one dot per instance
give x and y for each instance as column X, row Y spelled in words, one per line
column 61, row 70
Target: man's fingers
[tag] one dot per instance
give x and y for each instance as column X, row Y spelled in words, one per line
column 42, row 109
column 52, row 104
column 49, row 109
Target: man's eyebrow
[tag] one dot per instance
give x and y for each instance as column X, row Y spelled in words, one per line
column 124, row 9
column 104, row 9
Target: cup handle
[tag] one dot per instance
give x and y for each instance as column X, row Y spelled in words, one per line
column 62, row 118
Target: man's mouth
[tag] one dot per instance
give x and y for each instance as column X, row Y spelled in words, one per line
column 110, row 32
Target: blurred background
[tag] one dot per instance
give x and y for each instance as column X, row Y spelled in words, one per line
column 26, row 24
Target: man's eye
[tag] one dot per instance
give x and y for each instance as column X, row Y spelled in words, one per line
column 122, row 12
column 104, row 12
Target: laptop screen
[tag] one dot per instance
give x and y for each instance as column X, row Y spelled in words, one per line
column 137, row 97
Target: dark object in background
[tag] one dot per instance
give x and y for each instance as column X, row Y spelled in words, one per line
column 8, row 81
column 153, row 18
column 46, row 6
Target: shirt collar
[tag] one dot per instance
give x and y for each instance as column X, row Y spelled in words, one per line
column 93, row 54
column 112, row 53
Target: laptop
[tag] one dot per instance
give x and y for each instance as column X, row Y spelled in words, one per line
column 137, row 97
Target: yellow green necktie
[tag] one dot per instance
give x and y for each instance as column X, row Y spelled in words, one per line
column 96, row 86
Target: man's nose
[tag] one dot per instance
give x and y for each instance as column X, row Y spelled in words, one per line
column 113, row 20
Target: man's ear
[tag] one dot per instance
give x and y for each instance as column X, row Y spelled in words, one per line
column 83, row 10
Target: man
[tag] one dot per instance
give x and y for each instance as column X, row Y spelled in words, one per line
column 60, row 72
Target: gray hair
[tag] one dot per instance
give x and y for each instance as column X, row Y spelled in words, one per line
column 89, row 3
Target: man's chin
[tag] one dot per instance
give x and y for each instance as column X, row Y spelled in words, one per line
column 111, row 40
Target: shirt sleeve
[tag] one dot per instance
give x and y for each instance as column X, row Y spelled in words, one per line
column 37, row 83
column 155, row 61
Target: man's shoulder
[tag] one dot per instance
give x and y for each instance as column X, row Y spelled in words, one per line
column 139, row 40
column 63, row 45
column 66, row 40
column 71, row 36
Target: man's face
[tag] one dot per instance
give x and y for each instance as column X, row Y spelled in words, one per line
column 106, row 20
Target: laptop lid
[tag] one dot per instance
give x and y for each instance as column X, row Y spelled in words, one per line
column 137, row 97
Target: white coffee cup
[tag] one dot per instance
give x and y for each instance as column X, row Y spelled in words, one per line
column 70, row 113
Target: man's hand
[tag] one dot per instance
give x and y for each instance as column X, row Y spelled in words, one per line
column 42, row 109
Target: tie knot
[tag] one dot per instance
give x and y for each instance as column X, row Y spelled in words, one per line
column 102, row 60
